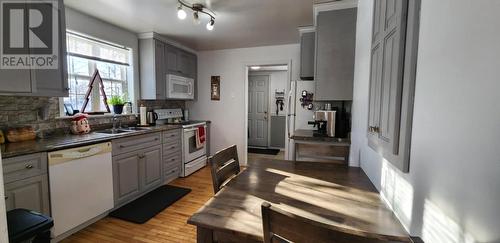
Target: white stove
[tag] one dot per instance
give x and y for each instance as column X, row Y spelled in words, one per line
column 193, row 157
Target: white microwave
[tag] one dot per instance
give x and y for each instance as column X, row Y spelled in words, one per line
column 179, row 87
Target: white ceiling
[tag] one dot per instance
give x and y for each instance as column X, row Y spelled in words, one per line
column 239, row 23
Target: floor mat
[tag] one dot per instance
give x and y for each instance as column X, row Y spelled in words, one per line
column 144, row 208
column 263, row 151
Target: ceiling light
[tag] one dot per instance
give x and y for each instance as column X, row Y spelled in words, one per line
column 255, row 67
column 197, row 8
column 210, row 24
column 196, row 18
column 181, row 14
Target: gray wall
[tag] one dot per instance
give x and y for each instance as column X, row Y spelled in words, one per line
column 451, row 192
column 228, row 115
column 85, row 24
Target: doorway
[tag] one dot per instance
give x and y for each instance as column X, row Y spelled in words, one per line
column 258, row 96
column 267, row 87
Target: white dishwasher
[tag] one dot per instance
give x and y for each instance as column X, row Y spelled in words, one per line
column 81, row 185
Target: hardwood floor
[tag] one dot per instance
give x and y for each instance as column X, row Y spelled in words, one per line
column 255, row 157
column 168, row 226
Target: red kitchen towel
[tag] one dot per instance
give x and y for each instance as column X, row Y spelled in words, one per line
column 200, row 137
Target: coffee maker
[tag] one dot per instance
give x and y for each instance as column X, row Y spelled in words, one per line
column 325, row 122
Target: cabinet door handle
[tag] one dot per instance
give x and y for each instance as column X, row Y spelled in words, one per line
column 142, row 156
column 29, row 166
column 6, row 197
column 172, row 147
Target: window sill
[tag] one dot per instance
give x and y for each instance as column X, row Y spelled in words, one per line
column 108, row 115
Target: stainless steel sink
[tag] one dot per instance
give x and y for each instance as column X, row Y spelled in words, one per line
column 122, row 130
column 135, row 129
column 113, row 131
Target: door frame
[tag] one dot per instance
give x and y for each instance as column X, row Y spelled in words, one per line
column 246, row 70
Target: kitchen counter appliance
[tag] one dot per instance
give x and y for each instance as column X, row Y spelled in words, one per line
column 193, row 157
column 81, row 186
column 325, row 122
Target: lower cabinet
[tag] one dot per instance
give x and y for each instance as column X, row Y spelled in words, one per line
column 126, row 177
column 136, row 172
column 152, row 160
column 26, row 183
column 31, row 193
column 144, row 162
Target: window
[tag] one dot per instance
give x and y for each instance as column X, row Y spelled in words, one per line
column 85, row 55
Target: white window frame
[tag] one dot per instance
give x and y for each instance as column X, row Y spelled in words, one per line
column 129, row 78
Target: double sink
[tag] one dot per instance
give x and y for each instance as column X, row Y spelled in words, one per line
column 123, row 130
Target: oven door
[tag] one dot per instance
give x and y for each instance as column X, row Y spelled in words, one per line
column 180, row 87
column 191, row 152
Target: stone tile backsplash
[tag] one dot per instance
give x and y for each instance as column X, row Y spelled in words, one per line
column 42, row 114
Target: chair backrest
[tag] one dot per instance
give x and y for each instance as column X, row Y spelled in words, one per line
column 281, row 226
column 224, row 165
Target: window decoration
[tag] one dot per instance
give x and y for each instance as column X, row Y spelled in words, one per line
column 85, row 56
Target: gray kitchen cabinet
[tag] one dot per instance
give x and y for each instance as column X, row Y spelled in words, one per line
column 180, row 62
column 335, row 50
column 26, row 182
column 152, row 65
column 159, row 59
column 40, row 82
column 126, row 177
column 152, row 160
column 31, row 193
column 172, row 154
column 137, row 166
column 392, row 79
column 307, row 45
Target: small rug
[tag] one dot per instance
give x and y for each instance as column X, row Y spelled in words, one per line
column 144, row 208
column 263, row 151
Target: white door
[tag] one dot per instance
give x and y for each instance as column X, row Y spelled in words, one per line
column 258, row 95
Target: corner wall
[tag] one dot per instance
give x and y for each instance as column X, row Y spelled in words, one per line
column 451, row 193
column 228, row 125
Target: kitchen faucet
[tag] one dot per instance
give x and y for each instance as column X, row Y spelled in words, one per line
column 116, row 120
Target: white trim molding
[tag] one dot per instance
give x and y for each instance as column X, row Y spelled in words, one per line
column 160, row 37
column 306, row 29
column 334, row 5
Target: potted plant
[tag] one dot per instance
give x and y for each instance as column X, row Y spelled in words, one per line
column 117, row 102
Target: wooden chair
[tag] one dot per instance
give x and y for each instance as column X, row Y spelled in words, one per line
column 224, row 165
column 280, row 226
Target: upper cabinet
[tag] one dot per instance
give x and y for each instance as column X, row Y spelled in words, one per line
column 392, row 79
column 335, row 49
column 307, row 45
column 157, row 60
column 180, row 62
column 40, row 81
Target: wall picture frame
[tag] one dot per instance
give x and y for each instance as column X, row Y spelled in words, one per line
column 215, row 87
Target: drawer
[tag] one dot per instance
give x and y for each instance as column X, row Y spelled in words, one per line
column 133, row 143
column 172, row 136
column 172, row 174
column 21, row 167
column 171, row 148
column 174, row 159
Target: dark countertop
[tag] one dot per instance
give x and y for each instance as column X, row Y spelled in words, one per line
column 311, row 135
column 70, row 140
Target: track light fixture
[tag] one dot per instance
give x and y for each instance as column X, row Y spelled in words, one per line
column 197, row 8
column 210, row 24
column 181, row 14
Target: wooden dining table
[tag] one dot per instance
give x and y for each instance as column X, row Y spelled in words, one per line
column 337, row 195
